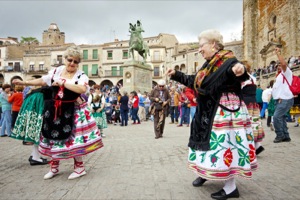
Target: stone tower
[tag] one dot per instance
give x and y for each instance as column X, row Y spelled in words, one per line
column 53, row 36
column 267, row 24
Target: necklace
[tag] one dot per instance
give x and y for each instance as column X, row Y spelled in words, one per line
column 70, row 74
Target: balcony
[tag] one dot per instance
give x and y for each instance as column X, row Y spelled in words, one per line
column 38, row 71
column 156, row 59
column 113, row 73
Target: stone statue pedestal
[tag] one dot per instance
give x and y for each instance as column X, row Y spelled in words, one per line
column 136, row 76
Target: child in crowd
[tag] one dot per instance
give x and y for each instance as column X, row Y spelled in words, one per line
column 116, row 115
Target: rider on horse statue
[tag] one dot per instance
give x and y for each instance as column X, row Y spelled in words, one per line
column 136, row 41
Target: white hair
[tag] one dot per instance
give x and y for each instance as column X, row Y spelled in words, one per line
column 212, row 36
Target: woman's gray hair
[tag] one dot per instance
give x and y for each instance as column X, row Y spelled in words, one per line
column 125, row 93
column 212, row 35
column 73, row 51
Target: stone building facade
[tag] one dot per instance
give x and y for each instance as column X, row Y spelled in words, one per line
column 267, row 24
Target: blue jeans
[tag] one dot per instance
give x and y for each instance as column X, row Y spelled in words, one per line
column 192, row 112
column 185, row 115
column 174, row 113
column 279, row 118
column 6, row 123
column 135, row 115
column 124, row 116
column 263, row 110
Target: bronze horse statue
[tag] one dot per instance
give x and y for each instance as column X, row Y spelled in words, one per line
column 136, row 41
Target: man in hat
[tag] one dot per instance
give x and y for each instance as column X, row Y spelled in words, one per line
column 160, row 97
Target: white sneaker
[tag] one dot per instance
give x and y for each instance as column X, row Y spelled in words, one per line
column 76, row 175
column 102, row 135
column 49, row 175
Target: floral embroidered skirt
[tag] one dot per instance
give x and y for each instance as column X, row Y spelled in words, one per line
column 29, row 121
column 100, row 118
column 232, row 150
column 254, row 113
column 85, row 138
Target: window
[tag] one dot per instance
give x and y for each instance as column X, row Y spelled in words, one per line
column 109, row 55
column 41, row 67
column 0, row 64
column 59, row 59
column 95, row 53
column 183, row 56
column 114, row 71
column 85, row 54
column 156, row 56
column 156, row 71
column 94, row 69
column 125, row 54
column 31, row 67
column 0, row 53
column 121, row 71
column 85, row 69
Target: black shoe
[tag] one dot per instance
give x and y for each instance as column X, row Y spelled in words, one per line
column 3, row 135
column 199, row 182
column 296, row 125
column 222, row 194
column 278, row 140
column 259, row 150
column 286, row 140
column 34, row 162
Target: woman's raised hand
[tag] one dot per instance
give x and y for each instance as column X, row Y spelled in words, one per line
column 170, row 72
column 238, row 69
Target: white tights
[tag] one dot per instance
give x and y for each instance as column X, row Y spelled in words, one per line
column 229, row 185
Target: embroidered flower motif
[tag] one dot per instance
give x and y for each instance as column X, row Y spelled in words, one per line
column 67, row 115
column 45, row 127
column 87, row 114
column 252, row 154
column 67, row 128
column 213, row 159
column 69, row 143
column 227, row 157
column 54, row 133
column 57, row 121
column 222, row 113
column 47, row 114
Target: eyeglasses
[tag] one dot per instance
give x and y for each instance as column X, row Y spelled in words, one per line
column 161, row 86
column 71, row 60
column 201, row 45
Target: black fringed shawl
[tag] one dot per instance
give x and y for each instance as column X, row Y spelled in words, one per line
column 209, row 93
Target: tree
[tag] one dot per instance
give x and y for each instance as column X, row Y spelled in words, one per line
column 29, row 40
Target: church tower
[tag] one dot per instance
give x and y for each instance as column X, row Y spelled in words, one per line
column 53, row 36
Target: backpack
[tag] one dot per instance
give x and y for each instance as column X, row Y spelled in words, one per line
column 295, row 86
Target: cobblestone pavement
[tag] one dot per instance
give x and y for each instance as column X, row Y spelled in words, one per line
column 134, row 165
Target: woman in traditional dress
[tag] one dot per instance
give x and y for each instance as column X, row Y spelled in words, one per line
column 29, row 124
column 96, row 102
column 221, row 144
column 249, row 97
column 68, row 130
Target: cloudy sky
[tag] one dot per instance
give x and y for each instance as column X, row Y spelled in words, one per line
column 100, row 21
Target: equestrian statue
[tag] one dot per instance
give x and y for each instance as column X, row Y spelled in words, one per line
column 136, row 41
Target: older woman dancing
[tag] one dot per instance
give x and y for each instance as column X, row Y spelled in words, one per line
column 68, row 130
column 221, row 143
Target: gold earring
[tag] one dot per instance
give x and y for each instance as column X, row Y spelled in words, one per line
column 213, row 49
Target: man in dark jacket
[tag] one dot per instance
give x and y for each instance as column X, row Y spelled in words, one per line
column 160, row 97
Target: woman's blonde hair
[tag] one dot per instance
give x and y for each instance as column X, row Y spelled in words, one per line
column 212, row 35
column 247, row 65
column 73, row 51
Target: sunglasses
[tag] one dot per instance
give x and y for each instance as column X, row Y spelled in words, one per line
column 71, row 60
column 161, row 86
